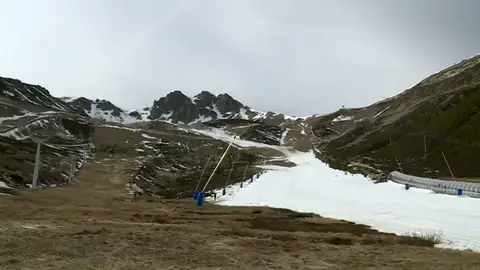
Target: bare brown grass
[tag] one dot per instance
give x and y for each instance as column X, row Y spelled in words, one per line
column 93, row 224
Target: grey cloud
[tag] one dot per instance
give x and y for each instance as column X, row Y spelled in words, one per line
column 297, row 57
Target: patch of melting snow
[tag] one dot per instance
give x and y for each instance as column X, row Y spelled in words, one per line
column 342, row 118
column 243, row 113
column 202, row 118
column 284, row 136
column 3, row 185
column 359, row 120
column 308, row 116
column 181, row 166
column 222, row 135
column 309, row 185
column 244, row 126
column 16, row 117
column 146, row 136
column 382, row 111
column 120, row 127
column 30, row 226
column 14, row 134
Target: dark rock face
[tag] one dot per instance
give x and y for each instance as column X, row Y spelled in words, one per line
column 135, row 115
column 232, row 121
column 177, row 107
column 205, row 99
column 82, row 103
column 81, row 130
column 108, row 106
column 104, row 105
column 264, row 134
column 225, row 104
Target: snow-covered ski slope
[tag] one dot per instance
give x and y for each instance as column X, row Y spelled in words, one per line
column 312, row 186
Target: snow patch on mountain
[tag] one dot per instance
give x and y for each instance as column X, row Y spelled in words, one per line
column 176, row 108
column 342, row 118
column 105, row 110
column 108, row 115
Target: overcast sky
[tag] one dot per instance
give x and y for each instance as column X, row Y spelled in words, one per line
column 298, row 57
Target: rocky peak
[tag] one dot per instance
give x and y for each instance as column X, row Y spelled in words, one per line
column 175, row 100
column 225, row 104
column 82, row 102
column 205, row 99
column 176, row 97
column 103, row 109
column 135, row 115
column 177, row 107
column 106, row 105
column 89, row 105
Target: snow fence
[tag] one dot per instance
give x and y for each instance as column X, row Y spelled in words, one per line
column 437, row 185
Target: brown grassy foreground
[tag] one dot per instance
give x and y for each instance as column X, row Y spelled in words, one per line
column 93, row 225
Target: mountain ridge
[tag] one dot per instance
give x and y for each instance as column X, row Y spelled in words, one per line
column 175, row 107
column 418, row 131
column 378, row 136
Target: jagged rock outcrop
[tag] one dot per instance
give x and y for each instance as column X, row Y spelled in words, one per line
column 104, row 110
column 177, row 107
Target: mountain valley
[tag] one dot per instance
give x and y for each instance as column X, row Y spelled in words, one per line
column 414, row 131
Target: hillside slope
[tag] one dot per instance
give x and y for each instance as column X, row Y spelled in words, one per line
column 439, row 115
column 105, row 110
column 35, row 97
column 107, row 229
column 164, row 160
column 414, row 131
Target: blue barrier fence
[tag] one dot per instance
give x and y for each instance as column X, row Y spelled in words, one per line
column 437, row 185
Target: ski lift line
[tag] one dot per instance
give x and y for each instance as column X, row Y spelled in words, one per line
column 201, row 176
column 229, row 174
column 245, row 172
column 218, row 164
column 231, row 169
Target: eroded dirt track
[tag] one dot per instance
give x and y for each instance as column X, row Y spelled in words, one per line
column 93, row 224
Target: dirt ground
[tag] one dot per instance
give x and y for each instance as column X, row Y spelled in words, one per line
column 94, row 224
